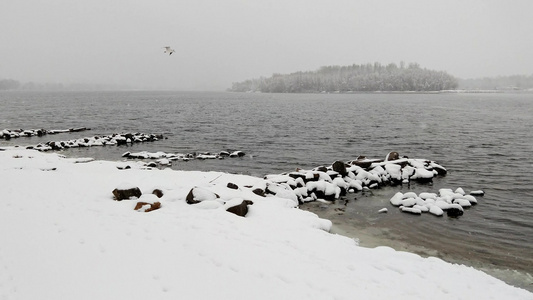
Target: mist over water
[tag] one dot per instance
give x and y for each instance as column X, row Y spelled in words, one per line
column 484, row 140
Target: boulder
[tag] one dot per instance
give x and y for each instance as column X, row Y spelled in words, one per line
column 241, row 209
column 232, row 186
column 259, row 191
column 321, row 169
column 455, row 210
column 392, row 156
column 477, row 193
column 124, row 194
column 158, row 193
column 411, row 210
column 197, row 195
column 237, row 154
column 363, row 162
column 340, row 168
column 147, row 206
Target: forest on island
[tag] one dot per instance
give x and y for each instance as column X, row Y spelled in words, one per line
column 354, row 78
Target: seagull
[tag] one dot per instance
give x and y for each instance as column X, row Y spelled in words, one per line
column 168, row 50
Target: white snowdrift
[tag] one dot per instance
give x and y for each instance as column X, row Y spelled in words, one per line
column 62, row 236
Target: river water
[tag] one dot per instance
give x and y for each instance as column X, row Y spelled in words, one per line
column 484, row 140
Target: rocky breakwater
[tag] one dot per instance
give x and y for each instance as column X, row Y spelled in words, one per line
column 328, row 183
column 165, row 159
column 8, row 134
column 115, row 139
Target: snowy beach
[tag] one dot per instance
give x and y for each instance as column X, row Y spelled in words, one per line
column 64, row 236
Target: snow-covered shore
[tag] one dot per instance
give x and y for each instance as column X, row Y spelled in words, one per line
column 62, row 236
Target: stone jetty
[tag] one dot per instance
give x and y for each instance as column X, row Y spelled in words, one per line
column 115, row 139
column 331, row 182
column 8, row 134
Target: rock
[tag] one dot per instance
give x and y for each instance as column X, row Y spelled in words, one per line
column 397, row 199
column 232, row 186
column 364, row 162
column 454, row 210
column 321, row 169
column 241, row 209
column 470, row 198
column 477, row 193
column 422, row 175
column 148, row 206
column 383, row 210
column 392, row 156
column 408, row 202
column 435, row 210
column 124, row 194
column 340, row 168
column 158, row 193
column 462, row 202
column 441, row 171
column 411, row 210
column 460, row 191
column 259, row 191
column 237, row 154
column 426, row 196
column 422, row 208
column 197, row 195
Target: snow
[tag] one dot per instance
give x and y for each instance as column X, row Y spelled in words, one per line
column 62, row 236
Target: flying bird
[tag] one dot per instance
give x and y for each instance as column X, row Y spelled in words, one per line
column 168, row 50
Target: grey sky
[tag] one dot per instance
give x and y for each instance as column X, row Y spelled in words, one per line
column 219, row 42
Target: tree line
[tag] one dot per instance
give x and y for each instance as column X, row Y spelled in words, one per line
column 513, row 82
column 354, row 78
column 9, row 84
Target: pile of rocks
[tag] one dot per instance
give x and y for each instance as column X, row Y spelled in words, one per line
column 163, row 158
column 113, row 139
column 453, row 202
column 332, row 182
column 8, row 134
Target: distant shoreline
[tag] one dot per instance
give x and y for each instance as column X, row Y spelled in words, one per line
column 402, row 92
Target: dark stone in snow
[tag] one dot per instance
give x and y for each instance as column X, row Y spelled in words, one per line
column 193, row 198
column 241, row 209
column 259, row 191
column 158, row 193
column 127, row 193
column 232, row 186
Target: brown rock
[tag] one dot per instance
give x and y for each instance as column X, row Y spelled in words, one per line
column 241, row 209
column 153, row 206
column 392, row 156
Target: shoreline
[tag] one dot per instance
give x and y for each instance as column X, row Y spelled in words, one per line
column 374, row 236
column 274, row 250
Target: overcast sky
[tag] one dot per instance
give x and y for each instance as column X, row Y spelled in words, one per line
column 219, row 42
